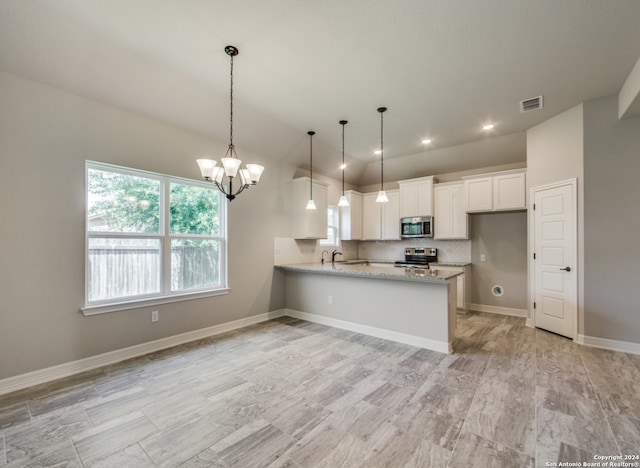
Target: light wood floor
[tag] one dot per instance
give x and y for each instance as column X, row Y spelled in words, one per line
column 297, row 394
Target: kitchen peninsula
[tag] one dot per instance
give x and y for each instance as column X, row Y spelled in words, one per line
column 415, row 306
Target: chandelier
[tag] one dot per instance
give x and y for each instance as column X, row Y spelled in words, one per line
column 223, row 177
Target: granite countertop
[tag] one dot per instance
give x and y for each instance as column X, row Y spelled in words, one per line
column 376, row 272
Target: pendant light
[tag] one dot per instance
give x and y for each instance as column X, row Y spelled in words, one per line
column 382, row 195
column 311, row 205
column 230, row 163
column 343, row 200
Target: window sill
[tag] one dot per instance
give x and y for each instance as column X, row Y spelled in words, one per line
column 149, row 302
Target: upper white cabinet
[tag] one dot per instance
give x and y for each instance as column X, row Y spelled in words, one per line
column 450, row 215
column 416, row 197
column 351, row 217
column 381, row 220
column 498, row 191
column 309, row 224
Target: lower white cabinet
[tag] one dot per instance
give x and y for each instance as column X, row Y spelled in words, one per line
column 450, row 215
column 309, row 224
column 381, row 221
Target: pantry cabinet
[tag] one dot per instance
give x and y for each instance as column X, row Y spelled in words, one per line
column 498, row 191
column 450, row 215
column 309, row 224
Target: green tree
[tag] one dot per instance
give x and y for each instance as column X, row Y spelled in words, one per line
column 130, row 203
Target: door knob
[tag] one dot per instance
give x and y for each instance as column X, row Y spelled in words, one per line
column 566, row 269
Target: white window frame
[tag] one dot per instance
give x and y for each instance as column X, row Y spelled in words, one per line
column 166, row 295
column 335, row 227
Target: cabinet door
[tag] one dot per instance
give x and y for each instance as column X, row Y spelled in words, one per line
column 371, row 217
column 458, row 213
column 351, row 217
column 442, row 216
column 479, row 194
column 391, row 216
column 509, row 192
column 425, row 198
column 409, row 200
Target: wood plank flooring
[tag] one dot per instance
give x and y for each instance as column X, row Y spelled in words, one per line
column 289, row 393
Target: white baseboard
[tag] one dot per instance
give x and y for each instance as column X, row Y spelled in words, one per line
column 440, row 346
column 19, row 382
column 499, row 310
column 529, row 323
column 613, row 345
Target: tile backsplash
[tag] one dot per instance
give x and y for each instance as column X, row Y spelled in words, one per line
column 290, row 251
column 448, row 250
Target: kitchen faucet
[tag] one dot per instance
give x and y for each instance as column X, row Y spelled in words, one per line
column 333, row 255
column 322, row 258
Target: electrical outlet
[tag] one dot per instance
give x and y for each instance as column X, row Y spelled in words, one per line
column 154, row 316
column 482, row 257
column 330, row 300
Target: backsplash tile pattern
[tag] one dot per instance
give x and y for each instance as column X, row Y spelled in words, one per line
column 290, row 251
column 448, row 250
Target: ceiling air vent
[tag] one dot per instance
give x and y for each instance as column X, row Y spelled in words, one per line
column 531, row 104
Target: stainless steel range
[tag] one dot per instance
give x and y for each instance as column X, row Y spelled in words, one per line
column 418, row 257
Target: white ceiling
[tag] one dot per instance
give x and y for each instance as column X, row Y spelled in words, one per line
column 442, row 67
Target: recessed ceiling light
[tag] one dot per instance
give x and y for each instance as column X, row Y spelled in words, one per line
column 377, row 152
column 343, row 166
column 488, row 127
column 426, row 141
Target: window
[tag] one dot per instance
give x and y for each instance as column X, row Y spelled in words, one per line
column 151, row 238
column 333, row 219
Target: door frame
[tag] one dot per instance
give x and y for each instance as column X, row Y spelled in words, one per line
column 573, row 183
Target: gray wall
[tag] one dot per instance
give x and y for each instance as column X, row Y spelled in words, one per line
column 612, row 222
column 502, row 237
column 555, row 151
column 45, row 137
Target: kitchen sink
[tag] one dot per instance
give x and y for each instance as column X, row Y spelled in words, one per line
column 355, row 262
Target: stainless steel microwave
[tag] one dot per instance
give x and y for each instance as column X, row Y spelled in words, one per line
column 416, row 227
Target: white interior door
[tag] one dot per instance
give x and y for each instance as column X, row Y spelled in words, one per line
column 555, row 250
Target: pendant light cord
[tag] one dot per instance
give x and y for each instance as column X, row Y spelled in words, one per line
column 311, row 164
column 343, row 124
column 381, row 110
column 231, row 106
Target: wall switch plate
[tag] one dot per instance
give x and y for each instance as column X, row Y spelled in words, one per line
column 154, row 315
column 330, row 300
column 482, row 257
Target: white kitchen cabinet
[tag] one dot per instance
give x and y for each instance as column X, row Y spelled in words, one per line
column 479, row 194
column 381, row 220
column 309, row 224
column 390, row 217
column 498, row 191
column 450, row 215
column 416, row 197
column 509, row 191
column 351, row 217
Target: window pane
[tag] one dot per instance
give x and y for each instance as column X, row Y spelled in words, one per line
column 194, row 210
column 195, row 263
column 123, row 203
column 123, row 267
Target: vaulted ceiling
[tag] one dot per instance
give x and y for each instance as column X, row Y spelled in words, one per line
column 443, row 68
